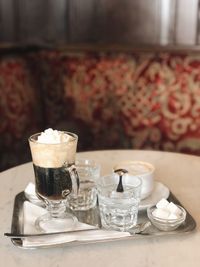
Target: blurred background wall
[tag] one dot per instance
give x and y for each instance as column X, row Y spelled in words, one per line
column 147, row 22
column 130, row 66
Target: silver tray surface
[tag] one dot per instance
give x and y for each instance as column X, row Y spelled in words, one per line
column 92, row 217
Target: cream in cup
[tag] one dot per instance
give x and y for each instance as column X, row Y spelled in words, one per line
column 141, row 169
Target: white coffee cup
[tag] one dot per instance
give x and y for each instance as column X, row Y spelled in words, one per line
column 143, row 170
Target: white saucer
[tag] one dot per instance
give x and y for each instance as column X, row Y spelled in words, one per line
column 160, row 191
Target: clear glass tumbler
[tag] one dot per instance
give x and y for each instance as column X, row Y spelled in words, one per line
column 55, row 178
column 119, row 210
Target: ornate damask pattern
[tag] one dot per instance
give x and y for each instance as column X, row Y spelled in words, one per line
column 151, row 101
column 97, row 82
column 59, row 111
column 164, row 112
column 19, row 110
column 145, row 100
column 86, row 94
column 111, row 100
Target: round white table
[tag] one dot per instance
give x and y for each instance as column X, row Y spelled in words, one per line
column 180, row 172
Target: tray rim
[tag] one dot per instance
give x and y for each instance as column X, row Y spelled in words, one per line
column 17, row 224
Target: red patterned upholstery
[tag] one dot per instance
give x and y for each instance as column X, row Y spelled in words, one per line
column 111, row 100
column 143, row 101
column 19, row 110
column 163, row 111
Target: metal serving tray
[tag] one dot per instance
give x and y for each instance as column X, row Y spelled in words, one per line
column 92, row 217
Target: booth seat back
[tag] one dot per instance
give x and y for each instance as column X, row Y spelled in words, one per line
column 124, row 100
column 112, row 100
column 20, row 110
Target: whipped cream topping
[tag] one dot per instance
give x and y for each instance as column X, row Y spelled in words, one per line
column 50, row 136
column 53, row 149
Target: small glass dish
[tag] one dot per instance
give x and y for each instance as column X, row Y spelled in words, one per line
column 166, row 224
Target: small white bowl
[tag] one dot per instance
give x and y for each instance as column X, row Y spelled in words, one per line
column 166, row 224
column 143, row 170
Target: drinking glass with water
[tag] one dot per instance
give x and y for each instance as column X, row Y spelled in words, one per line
column 119, row 210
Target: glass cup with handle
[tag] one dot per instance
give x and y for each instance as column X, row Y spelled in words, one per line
column 55, row 178
column 88, row 171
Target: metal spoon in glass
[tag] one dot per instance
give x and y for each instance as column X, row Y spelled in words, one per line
column 120, row 172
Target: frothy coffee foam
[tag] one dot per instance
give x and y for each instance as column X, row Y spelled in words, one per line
column 135, row 167
column 53, row 148
column 138, row 168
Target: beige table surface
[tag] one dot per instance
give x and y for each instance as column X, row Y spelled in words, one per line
column 181, row 173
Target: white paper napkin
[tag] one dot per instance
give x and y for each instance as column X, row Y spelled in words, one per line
column 32, row 212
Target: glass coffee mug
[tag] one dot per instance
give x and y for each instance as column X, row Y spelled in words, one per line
column 55, row 179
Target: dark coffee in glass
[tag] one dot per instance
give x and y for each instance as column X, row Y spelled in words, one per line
column 55, row 176
column 52, row 183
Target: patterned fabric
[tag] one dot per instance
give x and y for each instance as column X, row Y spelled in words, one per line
column 111, row 100
column 19, row 111
column 59, row 110
column 163, row 109
column 142, row 101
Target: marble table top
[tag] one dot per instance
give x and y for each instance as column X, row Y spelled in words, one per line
column 179, row 172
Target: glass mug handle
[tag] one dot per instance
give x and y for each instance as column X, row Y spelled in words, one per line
column 74, row 178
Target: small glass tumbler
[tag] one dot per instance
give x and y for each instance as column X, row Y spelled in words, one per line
column 88, row 172
column 119, row 210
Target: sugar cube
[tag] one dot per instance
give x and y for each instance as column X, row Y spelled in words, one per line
column 162, row 204
column 161, row 213
column 172, row 216
column 173, row 209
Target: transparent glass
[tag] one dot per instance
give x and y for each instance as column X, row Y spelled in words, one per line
column 166, row 224
column 119, row 210
column 55, row 178
column 88, row 172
